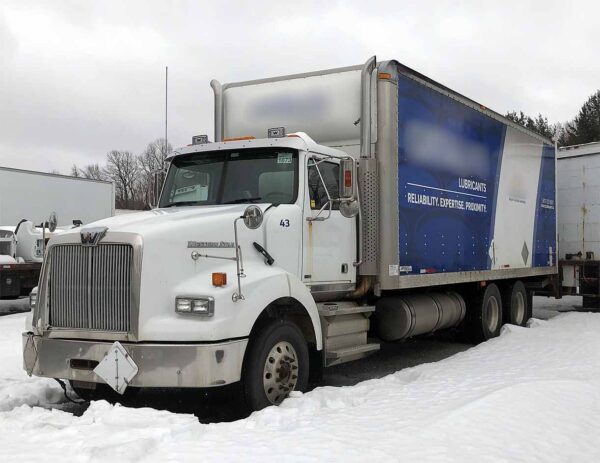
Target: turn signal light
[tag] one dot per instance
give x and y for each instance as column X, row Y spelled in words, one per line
column 219, row 279
column 384, row 75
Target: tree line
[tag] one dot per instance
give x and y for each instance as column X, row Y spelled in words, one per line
column 137, row 178
column 584, row 128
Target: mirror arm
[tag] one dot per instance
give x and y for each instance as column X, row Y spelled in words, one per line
column 238, row 263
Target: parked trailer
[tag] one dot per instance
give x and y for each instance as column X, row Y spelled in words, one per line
column 579, row 221
column 27, row 199
column 327, row 199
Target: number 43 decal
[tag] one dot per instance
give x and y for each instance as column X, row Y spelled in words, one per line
column 284, row 223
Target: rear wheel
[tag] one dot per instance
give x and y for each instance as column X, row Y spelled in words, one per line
column 516, row 304
column 484, row 314
column 276, row 363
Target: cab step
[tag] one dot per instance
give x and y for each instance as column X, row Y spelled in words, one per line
column 353, row 353
column 345, row 326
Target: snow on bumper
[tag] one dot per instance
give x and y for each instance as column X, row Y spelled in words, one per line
column 160, row 365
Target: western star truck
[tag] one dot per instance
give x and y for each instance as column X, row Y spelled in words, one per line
column 578, row 198
column 27, row 199
column 333, row 210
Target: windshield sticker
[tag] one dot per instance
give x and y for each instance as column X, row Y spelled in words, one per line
column 284, row 158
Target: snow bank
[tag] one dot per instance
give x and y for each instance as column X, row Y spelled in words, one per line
column 531, row 394
column 16, row 388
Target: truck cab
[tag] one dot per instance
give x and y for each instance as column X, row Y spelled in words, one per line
column 249, row 235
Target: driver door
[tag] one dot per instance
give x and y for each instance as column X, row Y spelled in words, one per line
column 329, row 240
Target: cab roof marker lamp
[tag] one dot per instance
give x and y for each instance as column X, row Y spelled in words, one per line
column 200, row 140
column 276, row 132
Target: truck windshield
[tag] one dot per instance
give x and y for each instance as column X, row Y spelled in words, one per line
column 266, row 175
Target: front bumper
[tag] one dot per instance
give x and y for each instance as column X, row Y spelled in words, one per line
column 160, row 365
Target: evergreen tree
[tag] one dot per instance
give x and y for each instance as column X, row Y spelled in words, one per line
column 585, row 128
column 538, row 124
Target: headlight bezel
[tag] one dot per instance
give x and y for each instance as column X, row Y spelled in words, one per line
column 203, row 306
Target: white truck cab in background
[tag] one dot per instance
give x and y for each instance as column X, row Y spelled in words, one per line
column 315, row 208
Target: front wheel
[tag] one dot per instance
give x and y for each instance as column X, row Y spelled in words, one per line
column 276, row 363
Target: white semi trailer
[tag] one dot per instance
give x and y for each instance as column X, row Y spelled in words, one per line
column 328, row 200
column 578, row 195
column 27, row 199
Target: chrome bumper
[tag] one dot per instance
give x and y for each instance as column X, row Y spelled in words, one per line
column 160, row 365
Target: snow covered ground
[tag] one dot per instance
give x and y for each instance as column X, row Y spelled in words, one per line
column 14, row 305
column 533, row 394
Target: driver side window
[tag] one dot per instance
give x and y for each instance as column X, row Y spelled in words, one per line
column 317, row 190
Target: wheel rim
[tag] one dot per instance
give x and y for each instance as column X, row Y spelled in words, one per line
column 519, row 309
column 492, row 314
column 280, row 374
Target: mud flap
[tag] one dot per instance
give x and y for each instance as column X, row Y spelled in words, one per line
column 30, row 354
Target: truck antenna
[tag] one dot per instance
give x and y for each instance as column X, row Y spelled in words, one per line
column 166, row 108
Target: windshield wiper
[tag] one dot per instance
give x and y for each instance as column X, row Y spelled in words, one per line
column 182, row 203
column 242, row 200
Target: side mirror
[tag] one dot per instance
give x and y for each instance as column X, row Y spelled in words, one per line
column 158, row 177
column 52, row 222
column 253, row 217
column 349, row 208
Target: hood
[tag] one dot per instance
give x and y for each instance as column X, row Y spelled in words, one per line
column 158, row 221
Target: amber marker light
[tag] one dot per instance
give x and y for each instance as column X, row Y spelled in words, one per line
column 250, row 137
column 219, row 279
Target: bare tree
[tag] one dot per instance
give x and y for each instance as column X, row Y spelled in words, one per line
column 122, row 169
column 93, row 171
column 75, row 171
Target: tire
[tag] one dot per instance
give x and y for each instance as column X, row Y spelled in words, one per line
column 484, row 314
column 104, row 392
column 516, row 304
column 276, row 363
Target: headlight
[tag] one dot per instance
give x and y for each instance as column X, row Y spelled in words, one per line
column 33, row 298
column 195, row 305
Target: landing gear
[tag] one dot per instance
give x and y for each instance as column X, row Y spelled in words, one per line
column 276, row 364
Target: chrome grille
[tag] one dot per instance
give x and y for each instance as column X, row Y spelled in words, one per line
column 90, row 287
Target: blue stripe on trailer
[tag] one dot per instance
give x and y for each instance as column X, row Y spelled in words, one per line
column 449, row 157
column 544, row 230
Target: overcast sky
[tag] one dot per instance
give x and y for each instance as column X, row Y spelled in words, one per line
column 79, row 78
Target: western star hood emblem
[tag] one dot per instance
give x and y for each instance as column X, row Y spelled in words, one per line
column 92, row 235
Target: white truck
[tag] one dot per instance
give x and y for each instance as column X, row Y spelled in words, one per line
column 328, row 199
column 27, row 199
column 578, row 196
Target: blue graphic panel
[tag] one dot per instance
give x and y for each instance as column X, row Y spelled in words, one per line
column 449, row 159
column 544, row 234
